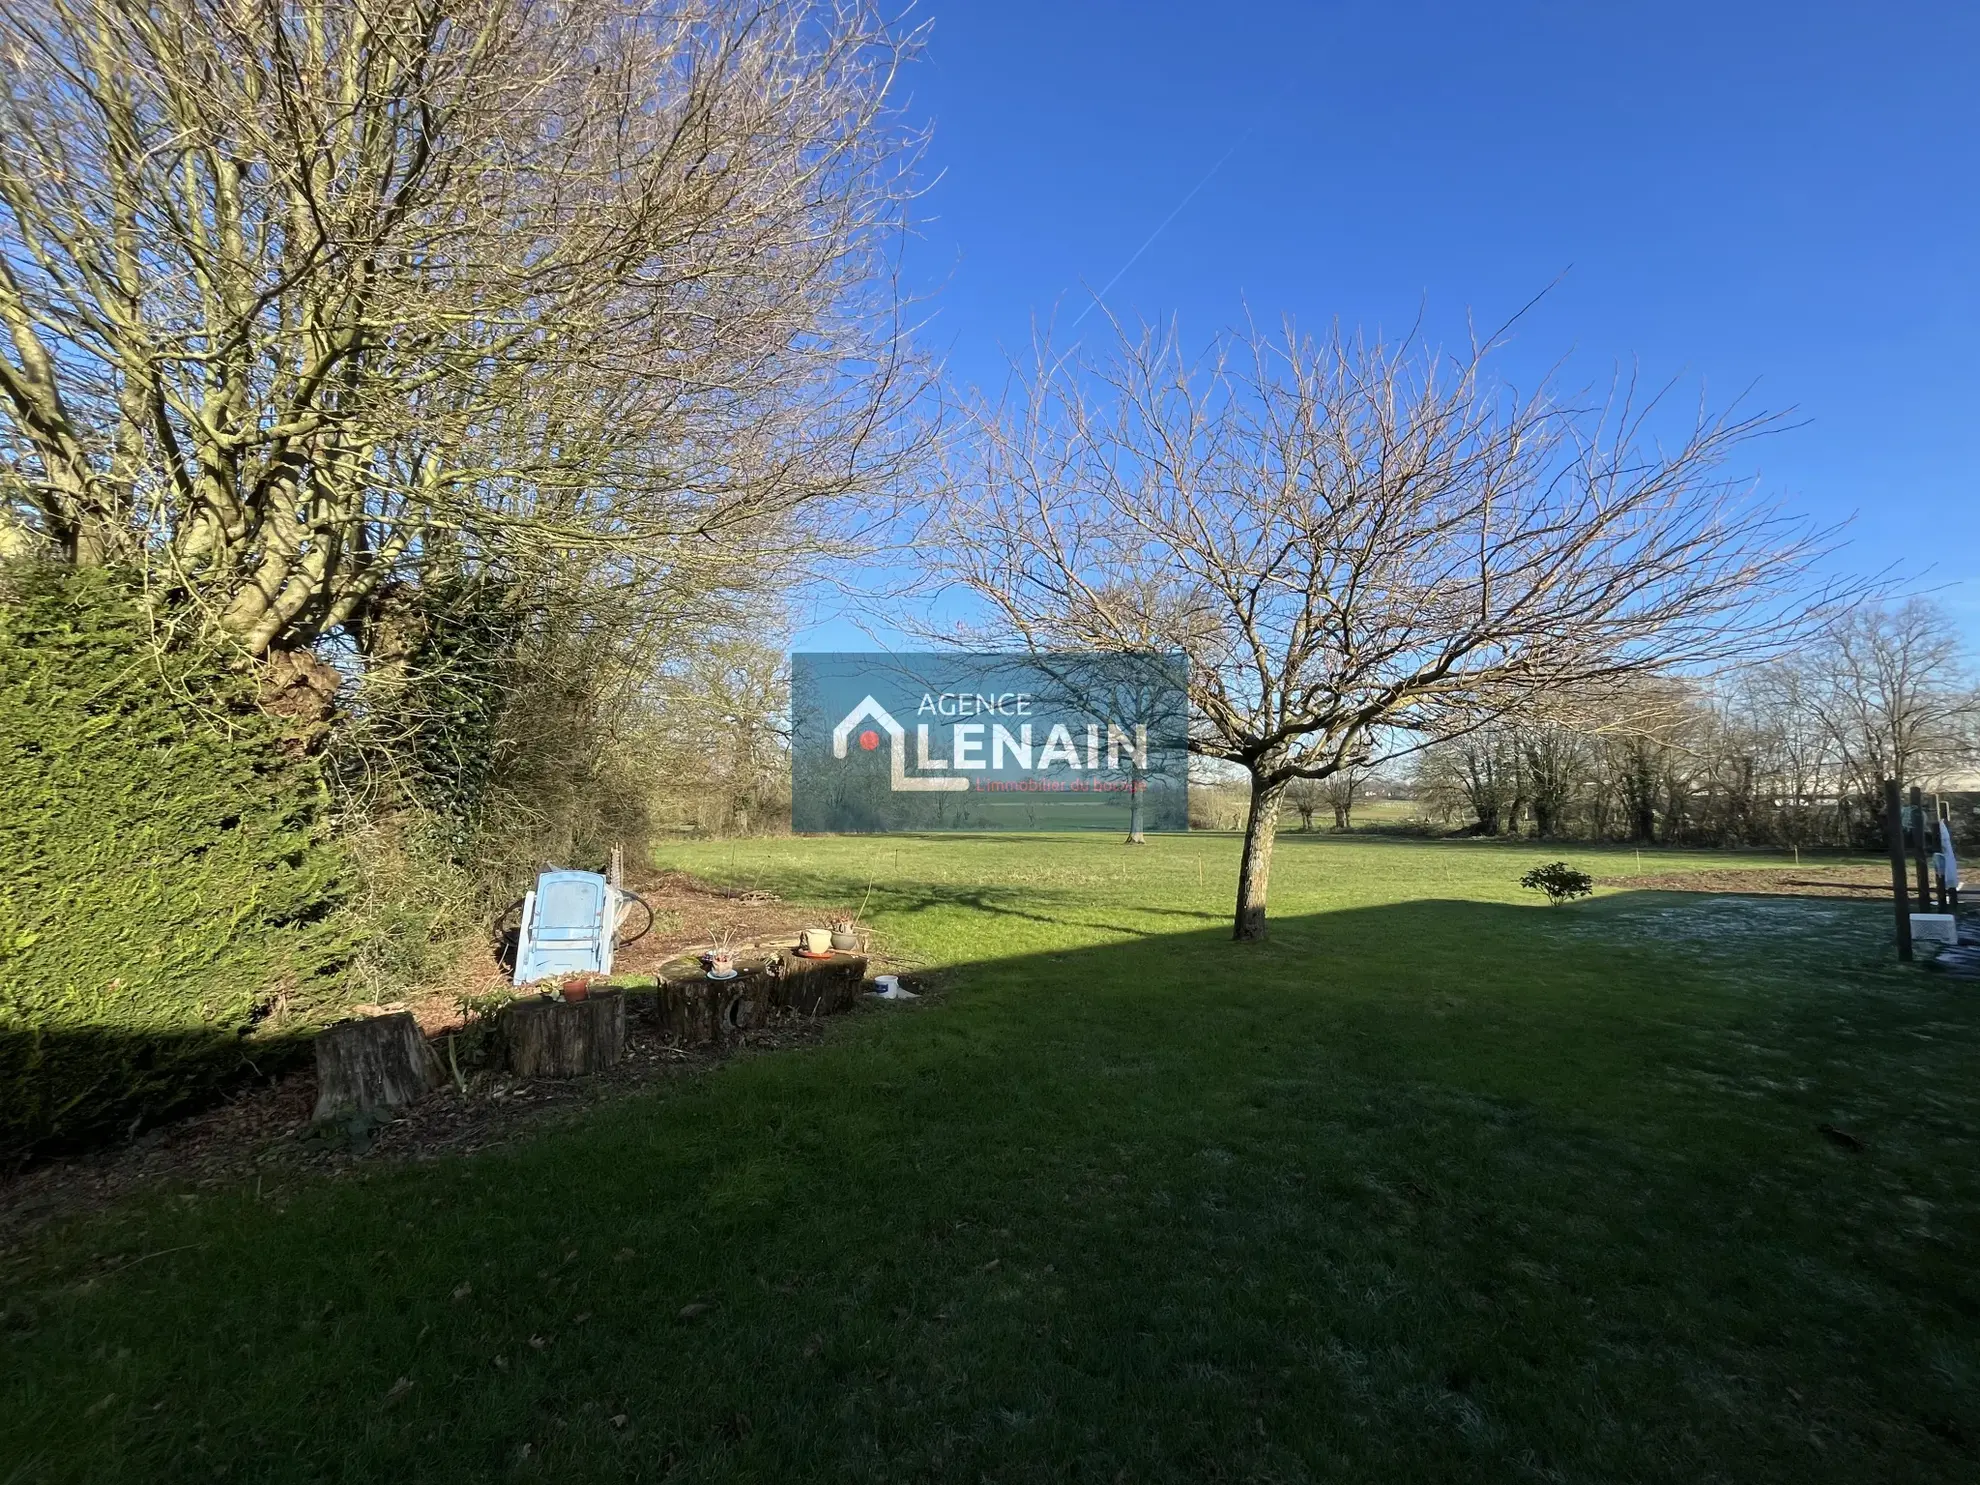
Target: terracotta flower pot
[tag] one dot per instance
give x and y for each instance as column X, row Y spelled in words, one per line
column 576, row 990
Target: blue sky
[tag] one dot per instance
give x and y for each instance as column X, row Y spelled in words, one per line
column 1744, row 195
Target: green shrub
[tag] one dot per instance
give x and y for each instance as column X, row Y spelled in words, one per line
column 1561, row 882
column 165, row 876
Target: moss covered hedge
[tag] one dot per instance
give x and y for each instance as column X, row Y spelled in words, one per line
column 166, row 876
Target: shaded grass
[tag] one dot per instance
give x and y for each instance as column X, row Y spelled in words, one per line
column 1436, row 1184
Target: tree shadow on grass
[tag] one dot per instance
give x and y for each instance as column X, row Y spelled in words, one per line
column 72, row 1088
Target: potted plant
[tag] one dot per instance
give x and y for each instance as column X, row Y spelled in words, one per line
column 845, row 935
column 576, row 988
column 721, row 958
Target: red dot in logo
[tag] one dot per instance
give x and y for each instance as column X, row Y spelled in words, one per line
column 869, row 739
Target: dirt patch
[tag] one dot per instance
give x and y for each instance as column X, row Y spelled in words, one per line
column 262, row 1139
column 687, row 917
column 1861, row 883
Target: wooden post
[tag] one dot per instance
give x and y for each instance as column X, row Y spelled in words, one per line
column 1918, row 851
column 372, row 1066
column 1900, row 888
column 565, row 1039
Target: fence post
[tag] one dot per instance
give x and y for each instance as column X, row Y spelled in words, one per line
column 1918, row 851
column 1900, row 888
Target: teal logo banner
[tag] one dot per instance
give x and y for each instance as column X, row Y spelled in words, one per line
column 957, row 741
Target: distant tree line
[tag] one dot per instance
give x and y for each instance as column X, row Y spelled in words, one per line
column 1790, row 753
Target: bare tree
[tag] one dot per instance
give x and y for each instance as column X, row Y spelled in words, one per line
column 1352, row 541
column 1775, row 705
column 1893, row 693
column 304, row 298
column 1552, row 763
column 1477, row 776
column 1343, row 790
column 1306, row 796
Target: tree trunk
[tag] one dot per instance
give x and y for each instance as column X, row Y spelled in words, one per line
column 1255, row 869
column 565, row 1039
column 371, row 1066
column 302, row 691
column 1135, row 786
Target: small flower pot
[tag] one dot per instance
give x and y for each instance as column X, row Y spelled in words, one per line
column 845, row 940
column 576, row 990
column 721, row 966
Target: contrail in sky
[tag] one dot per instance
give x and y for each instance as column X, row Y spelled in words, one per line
column 1161, row 229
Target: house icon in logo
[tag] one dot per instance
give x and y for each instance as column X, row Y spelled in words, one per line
column 896, row 748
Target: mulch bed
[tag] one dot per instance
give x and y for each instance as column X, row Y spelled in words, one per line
column 262, row 1136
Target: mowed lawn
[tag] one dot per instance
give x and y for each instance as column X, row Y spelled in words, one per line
column 1440, row 1184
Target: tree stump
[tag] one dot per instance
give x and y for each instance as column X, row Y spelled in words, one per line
column 565, row 1039
column 822, row 987
column 372, row 1066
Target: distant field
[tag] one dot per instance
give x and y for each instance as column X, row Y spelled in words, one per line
column 1438, row 1184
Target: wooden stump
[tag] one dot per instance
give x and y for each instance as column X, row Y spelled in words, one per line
column 697, row 1010
column 822, row 987
column 565, row 1039
column 372, row 1066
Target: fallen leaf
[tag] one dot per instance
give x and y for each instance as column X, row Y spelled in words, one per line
column 582, row 1318
column 618, row 1420
column 502, row 1363
column 399, row 1389
column 100, row 1404
column 993, row 1265
column 695, row 1311
column 537, row 1342
column 464, row 1291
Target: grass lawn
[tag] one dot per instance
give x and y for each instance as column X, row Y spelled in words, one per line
column 1439, row 1184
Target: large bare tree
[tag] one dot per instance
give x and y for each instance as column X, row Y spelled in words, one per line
column 1893, row 693
column 1360, row 545
column 301, row 298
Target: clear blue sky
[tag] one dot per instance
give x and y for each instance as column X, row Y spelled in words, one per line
column 1740, row 194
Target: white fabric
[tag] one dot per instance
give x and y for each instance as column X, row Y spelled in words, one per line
column 1949, row 863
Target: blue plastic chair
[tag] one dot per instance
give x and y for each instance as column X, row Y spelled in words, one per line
column 567, row 927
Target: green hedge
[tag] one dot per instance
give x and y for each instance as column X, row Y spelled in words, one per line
column 165, row 872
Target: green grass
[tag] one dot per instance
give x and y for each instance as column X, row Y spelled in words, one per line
column 1439, row 1184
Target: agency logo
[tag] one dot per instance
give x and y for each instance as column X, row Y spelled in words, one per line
column 896, row 747
column 949, row 741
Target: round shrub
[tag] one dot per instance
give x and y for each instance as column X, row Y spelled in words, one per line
column 1561, row 882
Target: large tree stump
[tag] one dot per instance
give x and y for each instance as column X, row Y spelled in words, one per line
column 372, row 1066
column 821, row 987
column 699, row 1010
column 565, row 1039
